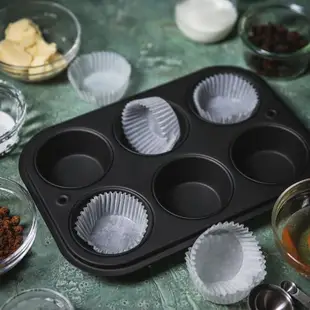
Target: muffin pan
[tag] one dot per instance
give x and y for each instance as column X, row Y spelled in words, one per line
column 214, row 172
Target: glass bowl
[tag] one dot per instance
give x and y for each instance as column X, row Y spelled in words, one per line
column 57, row 24
column 42, row 298
column 288, row 17
column 291, row 226
column 13, row 109
column 18, row 201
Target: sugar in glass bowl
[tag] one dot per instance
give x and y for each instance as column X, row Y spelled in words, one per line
column 276, row 39
column 13, row 109
column 18, row 201
column 57, row 24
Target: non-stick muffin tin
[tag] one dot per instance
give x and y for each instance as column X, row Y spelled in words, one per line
column 84, row 171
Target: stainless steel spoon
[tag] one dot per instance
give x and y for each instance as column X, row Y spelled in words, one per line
column 291, row 288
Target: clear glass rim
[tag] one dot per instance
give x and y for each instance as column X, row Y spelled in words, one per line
column 21, row 191
column 18, row 95
column 52, row 293
column 285, row 196
column 258, row 8
column 69, row 54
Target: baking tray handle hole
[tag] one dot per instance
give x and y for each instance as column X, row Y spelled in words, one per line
column 271, row 114
column 62, row 200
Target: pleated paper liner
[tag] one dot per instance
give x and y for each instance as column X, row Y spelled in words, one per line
column 225, row 99
column 113, row 223
column 150, row 125
column 100, row 77
column 225, row 263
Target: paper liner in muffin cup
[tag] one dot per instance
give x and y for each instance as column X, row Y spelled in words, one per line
column 150, row 125
column 225, row 99
column 112, row 223
column 225, row 263
column 100, row 77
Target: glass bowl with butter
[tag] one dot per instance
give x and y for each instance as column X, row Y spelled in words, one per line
column 37, row 41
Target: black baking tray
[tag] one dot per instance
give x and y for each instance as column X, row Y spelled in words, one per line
column 215, row 173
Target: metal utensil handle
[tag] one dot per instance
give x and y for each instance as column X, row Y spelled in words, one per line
column 303, row 298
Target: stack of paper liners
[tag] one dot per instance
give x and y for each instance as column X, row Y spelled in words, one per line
column 25, row 48
column 225, row 263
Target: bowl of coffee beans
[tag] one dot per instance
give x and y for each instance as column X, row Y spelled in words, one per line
column 276, row 39
column 18, row 224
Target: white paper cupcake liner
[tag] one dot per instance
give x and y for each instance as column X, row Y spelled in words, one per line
column 100, row 77
column 225, row 99
column 150, row 125
column 112, row 223
column 225, row 263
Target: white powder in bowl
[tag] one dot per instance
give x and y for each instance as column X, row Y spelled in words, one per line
column 6, row 124
column 206, row 21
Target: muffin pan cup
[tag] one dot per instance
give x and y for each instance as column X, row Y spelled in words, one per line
column 214, row 173
column 112, row 223
column 225, row 99
column 150, row 126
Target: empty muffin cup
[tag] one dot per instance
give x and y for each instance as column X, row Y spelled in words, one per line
column 74, row 158
column 241, row 265
column 113, row 223
column 150, row 125
column 193, row 187
column 100, row 77
column 270, row 154
column 225, row 99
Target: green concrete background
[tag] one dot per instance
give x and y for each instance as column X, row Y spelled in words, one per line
column 145, row 33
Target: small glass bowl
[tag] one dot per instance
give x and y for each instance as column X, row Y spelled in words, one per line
column 13, row 109
column 40, row 298
column 19, row 202
column 291, row 226
column 270, row 64
column 57, row 24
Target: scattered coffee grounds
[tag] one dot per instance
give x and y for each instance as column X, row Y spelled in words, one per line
column 276, row 39
column 10, row 233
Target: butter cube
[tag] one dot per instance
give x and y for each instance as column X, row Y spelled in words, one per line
column 32, row 50
column 45, row 49
column 13, row 54
column 58, row 62
column 38, row 68
column 23, row 32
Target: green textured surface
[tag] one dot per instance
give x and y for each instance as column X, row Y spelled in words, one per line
column 145, row 33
